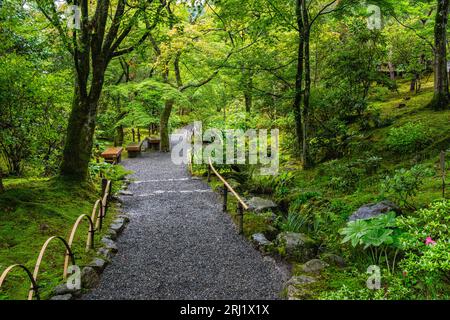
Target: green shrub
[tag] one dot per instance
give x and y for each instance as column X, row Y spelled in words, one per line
column 341, row 208
column 427, row 262
column 352, row 285
column 108, row 171
column 432, row 222
column 428, row 269
column 300, row 200
column 380, row 93
column 409, row 138
column 346, row 176
column 346, row 293
column 405, row 184
column 280, row 186
column 283, row 184
column 260, row 184
column 370, row 164
column 318, row 217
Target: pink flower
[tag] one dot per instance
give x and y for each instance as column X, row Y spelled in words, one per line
column 430, row 242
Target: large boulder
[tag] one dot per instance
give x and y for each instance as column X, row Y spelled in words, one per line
column 296, row 246
column 373, row 210
column 62, row 297
column 261, row 242
column 109, row 244
column 314, row 266
column 297, row 288
column 124, row 217
column 105, row 253
column 260, row 205
column 117, row 199
column 89, row 278
column 271, row 232
column 112, row 234
column 126, row 193
column 118, row 225
column 334, row 260
column 62, row 290
column 98, row 264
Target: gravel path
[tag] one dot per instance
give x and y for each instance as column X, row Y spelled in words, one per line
column 180, row 245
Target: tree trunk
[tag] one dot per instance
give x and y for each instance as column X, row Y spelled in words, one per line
column 248, row 99
column 168, row 106
column 391, row 71
column 16, row 165
column 412, row 87
column 2, row 188
column 164, row 126
column 441, row 91
column 92, row 47
column 299, row 79
column 418, row 83
column 79, row 140
column 248, row 94
column 120, row 135
column 316, row 67
column 306, row 158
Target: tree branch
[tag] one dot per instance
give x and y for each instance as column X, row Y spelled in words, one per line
column 123, row 35
column 282, row 15
column 415, row 32
column 54, row 20
column 211, row 77
column 131, row 48
column 114, row 29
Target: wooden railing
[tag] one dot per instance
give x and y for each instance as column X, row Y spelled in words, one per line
column 227, row 188
column 95, row 224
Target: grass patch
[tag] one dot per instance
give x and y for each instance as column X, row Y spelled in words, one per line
column 31, row 211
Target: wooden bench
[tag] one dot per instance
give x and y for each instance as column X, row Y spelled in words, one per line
column 154, row 143
column 113, row 155
column 135, row 148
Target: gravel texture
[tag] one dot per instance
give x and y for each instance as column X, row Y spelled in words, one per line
column 180, row 245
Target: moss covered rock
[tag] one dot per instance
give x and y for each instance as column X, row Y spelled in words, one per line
column 295, row 246
column 314, row 266
column 298, row 288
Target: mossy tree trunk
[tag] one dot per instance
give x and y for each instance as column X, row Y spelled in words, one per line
column 120, row 135
column 306, row 156
column 79, row 140
column 247, row 76
column 441, row 97
column 164, row 126
column 391, row 71
column 169, row 104
column 92, row 46
column 412, row 86
column 299, row 78
column 2, row 188
column 248, row 95
column 305, row 21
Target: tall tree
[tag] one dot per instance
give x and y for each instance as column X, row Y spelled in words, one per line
column 441, row 97
column 104, row 26
column 307, row 14
column 2, row 188
column 299, row 75
column 172, row 59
